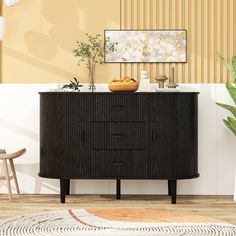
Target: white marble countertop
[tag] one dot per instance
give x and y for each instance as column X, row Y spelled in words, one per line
column 102, row 87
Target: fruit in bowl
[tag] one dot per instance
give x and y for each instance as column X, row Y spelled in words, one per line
column 126, row 84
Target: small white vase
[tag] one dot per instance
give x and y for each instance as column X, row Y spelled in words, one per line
column 235, row 187
column 144, row 82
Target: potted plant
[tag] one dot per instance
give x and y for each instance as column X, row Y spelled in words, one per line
column 230, row 122
column 74, row 85
column 92, row 53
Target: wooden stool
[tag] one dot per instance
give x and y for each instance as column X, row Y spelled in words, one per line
column 7, row 177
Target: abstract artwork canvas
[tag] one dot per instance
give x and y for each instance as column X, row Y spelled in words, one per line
column 147, row 46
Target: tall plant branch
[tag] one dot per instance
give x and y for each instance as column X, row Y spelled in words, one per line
column 93, row 53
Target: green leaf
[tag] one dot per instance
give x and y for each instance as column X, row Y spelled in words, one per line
column 230, row 125
column 66, row 86
column 76, row 81
column 232, row 91
column 232, row 120
column 228, row 107
column 229, row 67
column 234, row 62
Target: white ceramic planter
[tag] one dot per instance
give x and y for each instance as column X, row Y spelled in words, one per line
column 2, row 28
column 235, row 187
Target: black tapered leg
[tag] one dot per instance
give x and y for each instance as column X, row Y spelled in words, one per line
column 68, row 187
column 118, row 189
column 169, row 187
column 173, row 187
column 63, row 190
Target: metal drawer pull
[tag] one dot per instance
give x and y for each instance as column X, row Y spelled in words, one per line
column 118, row 135
column 118, row 107
column 83, row 136
column 153, row 136
column 118, row 163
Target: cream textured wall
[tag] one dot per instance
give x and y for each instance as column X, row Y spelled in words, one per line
column 211, row 28
column 41, row 35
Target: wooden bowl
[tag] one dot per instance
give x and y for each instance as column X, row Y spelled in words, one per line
column 123, row 86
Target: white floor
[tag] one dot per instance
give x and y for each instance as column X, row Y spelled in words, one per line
column 19, row 127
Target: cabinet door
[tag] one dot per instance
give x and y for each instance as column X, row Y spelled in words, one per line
column 162, row 157
column 173, row 136
column 64, row 136
column 74, row 135
column 187, row 135
column 49, row 134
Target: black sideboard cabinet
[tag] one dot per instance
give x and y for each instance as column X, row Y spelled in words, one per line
column 118, row 136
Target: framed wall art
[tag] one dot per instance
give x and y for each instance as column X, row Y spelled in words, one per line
column 147, row 46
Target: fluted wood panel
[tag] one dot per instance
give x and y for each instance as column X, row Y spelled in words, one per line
column 91, row 135
column 211, row 28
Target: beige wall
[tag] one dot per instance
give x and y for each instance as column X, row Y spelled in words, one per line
column 211, row 27
column 41, row 35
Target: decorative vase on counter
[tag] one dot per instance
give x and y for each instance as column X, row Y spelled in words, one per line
column 172, row 83
column 144, row 82
column 161, row 80
column 92, row 86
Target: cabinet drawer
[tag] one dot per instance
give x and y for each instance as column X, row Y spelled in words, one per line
column 118, row 163
column 118, row 107
column 114, row 135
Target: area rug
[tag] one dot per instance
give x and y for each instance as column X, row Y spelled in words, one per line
column 114, row 222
